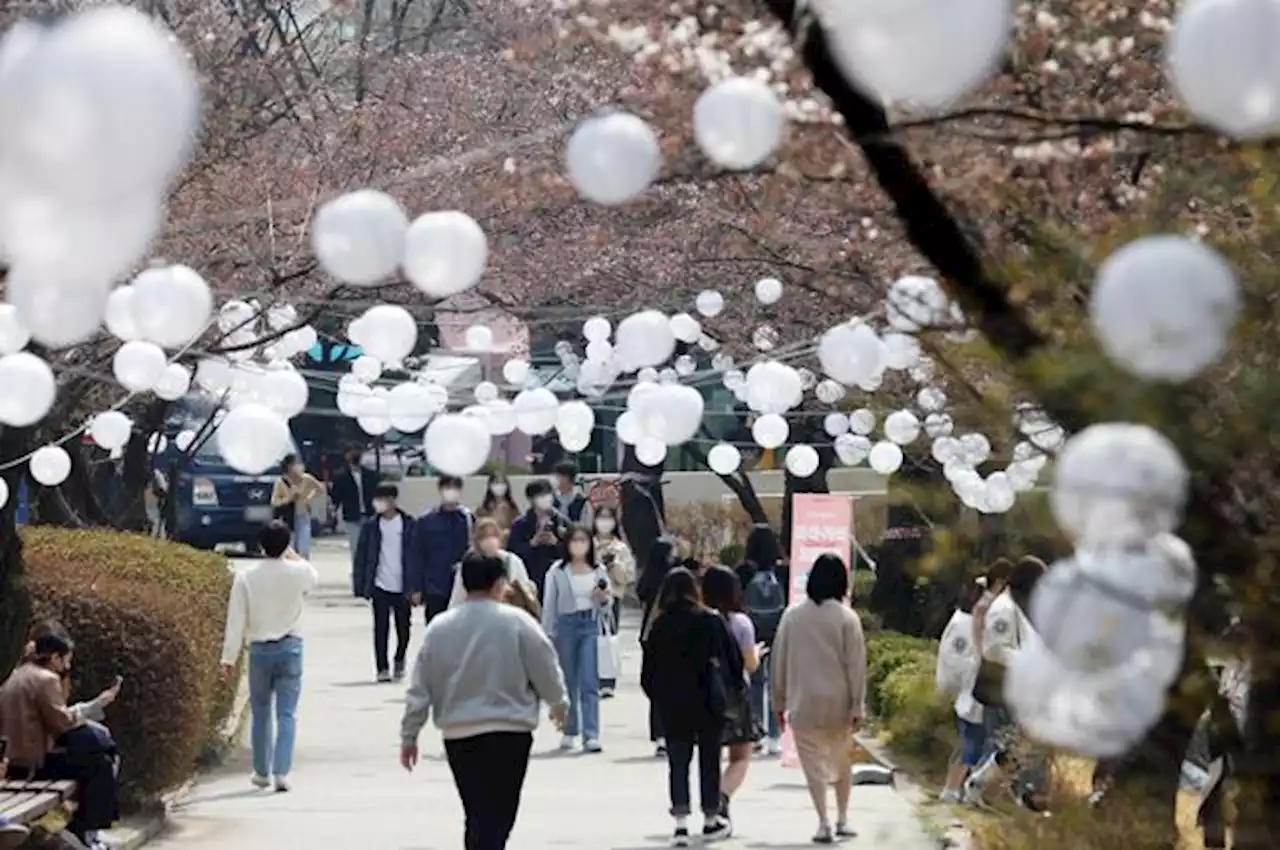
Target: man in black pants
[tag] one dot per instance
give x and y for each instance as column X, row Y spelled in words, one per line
column 484, row 665
column 379, row 575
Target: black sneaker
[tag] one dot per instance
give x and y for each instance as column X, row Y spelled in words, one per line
column 383, row 677
column 717, row 829
column 680, row 838
column 398, row 674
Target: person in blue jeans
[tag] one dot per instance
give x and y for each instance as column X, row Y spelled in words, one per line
column 265, row 611
column 576, row 594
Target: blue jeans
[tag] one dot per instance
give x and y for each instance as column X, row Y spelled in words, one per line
column 576, row 636
column 275, row 672
column 353, row 537
column 761, row 701
column 302, row 535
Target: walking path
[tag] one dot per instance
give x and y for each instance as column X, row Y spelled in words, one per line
column 349, row 790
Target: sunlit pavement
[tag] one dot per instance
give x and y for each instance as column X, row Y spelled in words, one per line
column 349, row 791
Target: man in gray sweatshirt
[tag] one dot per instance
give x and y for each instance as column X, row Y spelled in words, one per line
column 480, row 674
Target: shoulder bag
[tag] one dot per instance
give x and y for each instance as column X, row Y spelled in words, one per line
column 988, row 688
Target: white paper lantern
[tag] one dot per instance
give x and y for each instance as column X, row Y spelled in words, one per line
column 597, row 329
column 922, row 53
column 27, row 389
column 835, row 424
column 975, row 448
column 252, row 438
column 900, row 351
column 644, row 339
column 1219, row 61
column 651, row 451
column 851, row 354
column 445, row 253
column 709, row 303
column 829, row 391
column 389, row 333
column 514, row 372
column 4, row 492
column 770, row 431
column 629, row 429
column 501, row 415
column 366, row 369
column 485, row 391
column 1160, row 574
column 669, row 412
column 119, row 314
column 724, row 458
column 56, row 313
column 852, row 449
column 611, row 159
column 374, row 413
column 931, row 399
column 768, row 290
column 575, row 418
column 174, row 382
column 110, row 429
column 536, row 410
column 184, row 439
column 50, row 465
column 457, row 444
column 285, row 391
column 885, row 457
column 938, row 425
column 139, row 366
column 773, row 387
column 1163, row 307
column 738, row 122
column 479, row 338
column 802, row 461
column 156, row 444
column 171, row 306
column 902, row 427
column 914, row 303
column 359, row 237
column 862, row 421
column 14, row 335
column 411, row 406
column 685, row 328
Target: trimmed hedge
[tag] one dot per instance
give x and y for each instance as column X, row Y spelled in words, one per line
column 903, row 696
column 152, row 612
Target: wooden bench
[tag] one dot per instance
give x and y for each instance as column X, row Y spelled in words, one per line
column 26, row 802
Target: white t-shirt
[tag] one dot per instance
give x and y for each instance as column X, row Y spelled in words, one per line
column 390, row 575
column 266, row 604
column 583, row 584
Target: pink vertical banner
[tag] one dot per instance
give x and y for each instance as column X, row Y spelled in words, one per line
column 821, row 523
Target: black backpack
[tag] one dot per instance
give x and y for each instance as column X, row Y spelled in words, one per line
column 766, row 601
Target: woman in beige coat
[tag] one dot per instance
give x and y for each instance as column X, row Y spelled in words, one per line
column 819, row 687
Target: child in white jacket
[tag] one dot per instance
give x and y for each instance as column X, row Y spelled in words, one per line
column 958, row 661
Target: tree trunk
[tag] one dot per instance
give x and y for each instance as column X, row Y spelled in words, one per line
column 643, row 509
column 15, row 601
column 73, row 503
column 1257, row 770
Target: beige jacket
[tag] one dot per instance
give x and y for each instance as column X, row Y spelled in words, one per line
column 820, row 666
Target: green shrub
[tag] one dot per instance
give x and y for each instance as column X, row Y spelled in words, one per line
column 888, row 651
column 920, row 720
column 152, row 612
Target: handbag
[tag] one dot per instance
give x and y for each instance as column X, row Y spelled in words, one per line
column 988, row 687
column 608, row 654
column 724, row 695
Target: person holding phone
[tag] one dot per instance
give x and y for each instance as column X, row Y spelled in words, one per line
column 291, row 500
column 616, row 557
column 538, row 536
column 577, row 594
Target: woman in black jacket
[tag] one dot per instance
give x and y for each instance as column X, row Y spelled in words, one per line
column 688, row 657
column 661, row 559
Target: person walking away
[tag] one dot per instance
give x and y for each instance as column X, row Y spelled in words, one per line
column 480, row 673
column 766, row 584
column 265, row 611
column 722, row 593
column 617, row 558
column 487, row 538
column 353, row 493
column 661, row 560
column 498, row 504
column 819, row 687
column 538, row 536
column 1006, row 629
column 49, row 741
column 157, row 491
column 570, row 501
column 440, row 538
column 381, row 578
column 687, row 659
column 291, row 498
column 577, row 595
column 956, row 672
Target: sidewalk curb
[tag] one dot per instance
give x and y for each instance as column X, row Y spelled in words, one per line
column 951, row 834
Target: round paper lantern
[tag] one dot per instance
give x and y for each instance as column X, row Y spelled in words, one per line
column 738, row 122
column 724, row 458
column 138, row 366
column 56, row 314
column 802, row 461
column 285, row 391
column 1163, row 307
column 851, row 354
column 184, row 439
column 171, row 306
column 835, row 424
column 902, row 427
column 29, row 389
column 156, row 444
column 119, row 314
column 479, row 338
column 685, row 328
column 515, row 372
column 597, row 329
column 862, row 421
column 938, row 425
column 485, row 391
column 629, row 429
column 13, row 334
column 885, row 457
column 774, row 387
column 644, row 339
column 411, row 406
column 252, row 438
column 709, row 303
column 366, row 369
column 575, row 418
column 829, row 391
column 501, row 415
column 852, row 449
column 174, row 382
column 457, row 444
column 4, row 492
column 611, row 159
column 359, row 237
column 374, row 414
column 536, row 410
column 914, row 303
column 50, row 465
column 110, row 429
column 445, row 253
column 768, row 290
column 388, row 333
column 770, row 431
column 651, row 451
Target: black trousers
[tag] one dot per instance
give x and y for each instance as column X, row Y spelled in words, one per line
column 387, row 606
column 94, row 772
column 680, row 756
column 489, row 771
column 433, row 606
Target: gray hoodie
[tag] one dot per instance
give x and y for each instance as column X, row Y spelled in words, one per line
column 483, row 667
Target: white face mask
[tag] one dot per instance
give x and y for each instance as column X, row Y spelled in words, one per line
column 543, row 503
column 380, row 505
column 498, row 490
column 450, row 496
column 605, row 526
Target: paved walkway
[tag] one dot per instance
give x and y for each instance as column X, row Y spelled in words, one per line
column 349, row 790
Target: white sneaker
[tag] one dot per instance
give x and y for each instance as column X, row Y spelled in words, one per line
column 282, row 784
column 260, row 781
column 681, row 837
column 660, row 748
column 949, row 797
column 591, row 745
column 774, row 747
column 567, row 742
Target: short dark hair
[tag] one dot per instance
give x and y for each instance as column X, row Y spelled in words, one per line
column 274, row 538
column 567, row 468
column 288, row 460
column 535, row 488
column 1026, row 573
column 828, row 579
column 448, row 481
column 1000, row 570
column 722, row 590
column 53, row 643
column 480, row 572
column 46, row 627
column 386, row 491
column 762, row 547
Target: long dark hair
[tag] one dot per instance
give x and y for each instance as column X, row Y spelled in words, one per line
column 579, row 530
column 679, row 590
column 1026, row 573
column 762, row 549
column 722, row 591
column 661, row 557
column 491, row 501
